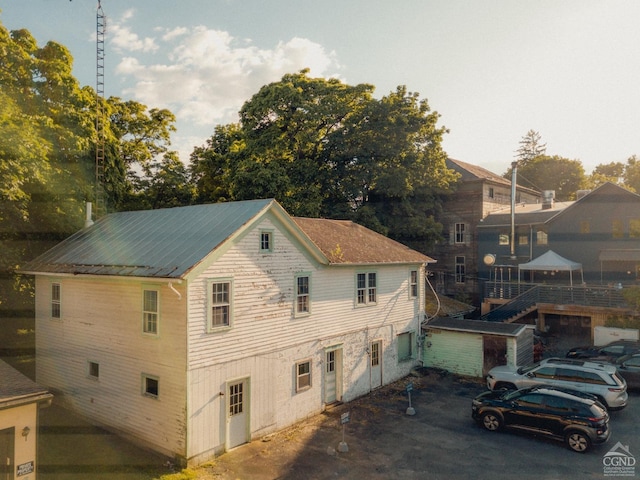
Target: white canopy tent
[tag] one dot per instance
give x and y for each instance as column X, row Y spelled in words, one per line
column 551, row 261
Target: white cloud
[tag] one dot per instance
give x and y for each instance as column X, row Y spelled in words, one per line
column 204, row 76
column 124, row 40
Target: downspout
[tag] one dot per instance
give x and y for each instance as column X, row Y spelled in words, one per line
column 173, row 289
column 514, row 175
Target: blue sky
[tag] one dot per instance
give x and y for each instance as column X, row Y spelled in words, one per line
column 493, row 69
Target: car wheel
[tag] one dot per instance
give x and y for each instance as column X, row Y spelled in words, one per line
column 578, row 441
column 491, row 421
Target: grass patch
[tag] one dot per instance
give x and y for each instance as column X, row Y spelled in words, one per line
column 186, row 474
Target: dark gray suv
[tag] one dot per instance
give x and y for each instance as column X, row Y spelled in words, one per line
column 576, row 418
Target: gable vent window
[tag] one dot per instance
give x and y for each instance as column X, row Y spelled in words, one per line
column 266, row 241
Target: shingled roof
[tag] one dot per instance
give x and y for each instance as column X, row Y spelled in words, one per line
column 17, row 389
column 345, row 242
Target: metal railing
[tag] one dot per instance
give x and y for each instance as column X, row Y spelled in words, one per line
column 530, row 295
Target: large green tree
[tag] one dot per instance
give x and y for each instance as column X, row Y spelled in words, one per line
column 325, row 148
column 47, row 151
column 556, row 173
column 624, row 174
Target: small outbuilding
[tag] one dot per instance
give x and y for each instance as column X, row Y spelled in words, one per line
column 20, row 399
column 473, row 347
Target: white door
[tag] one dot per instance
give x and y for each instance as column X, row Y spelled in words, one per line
column 376, row 364
column 333, row 376
column 237, row 412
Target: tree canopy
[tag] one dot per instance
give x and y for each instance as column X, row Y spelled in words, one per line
column 47, row 150
column 325, row 148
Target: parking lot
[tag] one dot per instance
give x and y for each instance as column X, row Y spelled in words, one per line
column 439, row 442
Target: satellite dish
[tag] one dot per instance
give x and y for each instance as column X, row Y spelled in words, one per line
column 489, row 259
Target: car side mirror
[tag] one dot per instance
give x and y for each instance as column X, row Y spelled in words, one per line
column 530, row 374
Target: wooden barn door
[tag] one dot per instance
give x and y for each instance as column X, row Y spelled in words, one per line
column 494, row 352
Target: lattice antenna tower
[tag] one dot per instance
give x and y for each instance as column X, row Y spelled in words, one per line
column 101, row 26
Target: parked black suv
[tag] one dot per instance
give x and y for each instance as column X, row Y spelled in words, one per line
column 577, row 418
column 608, row 352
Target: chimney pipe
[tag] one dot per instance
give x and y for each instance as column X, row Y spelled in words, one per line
column 88, row 221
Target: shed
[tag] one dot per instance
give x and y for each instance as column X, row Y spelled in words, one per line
column 20, row 398
column 473, row 347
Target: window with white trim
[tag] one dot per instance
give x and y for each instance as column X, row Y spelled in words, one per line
column 366, row 288
column 303, row 294
column 266, row 241
column 150, row 386
column 56, row 300
column 220, row 305
column 150, row 311
column 413, row 284
column 303, row 375
column 406, row 346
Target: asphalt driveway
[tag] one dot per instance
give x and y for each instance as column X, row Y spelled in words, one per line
column 439, row 442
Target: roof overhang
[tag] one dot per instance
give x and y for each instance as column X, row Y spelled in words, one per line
column 620, row 255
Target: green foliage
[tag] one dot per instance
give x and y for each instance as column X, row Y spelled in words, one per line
column 530, row 147
column 562, row 175
column 324, row 148
column 185, row 474
column 47, row 154
column 626, row 175
column 632, row 296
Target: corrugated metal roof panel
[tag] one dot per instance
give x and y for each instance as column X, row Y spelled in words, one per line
column 164, row 243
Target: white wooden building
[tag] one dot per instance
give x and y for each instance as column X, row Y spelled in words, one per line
column 195, row 329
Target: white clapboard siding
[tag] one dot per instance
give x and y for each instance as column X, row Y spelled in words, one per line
column 102, row 322
column 266, row 339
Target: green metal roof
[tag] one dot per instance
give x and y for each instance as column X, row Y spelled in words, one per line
column 163, row 243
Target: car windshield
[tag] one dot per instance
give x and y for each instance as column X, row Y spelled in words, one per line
column 523, row 370
column 511, row 395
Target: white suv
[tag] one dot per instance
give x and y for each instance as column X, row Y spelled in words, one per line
column 598, row 379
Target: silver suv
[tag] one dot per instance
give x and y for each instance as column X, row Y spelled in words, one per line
column 599, row 379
